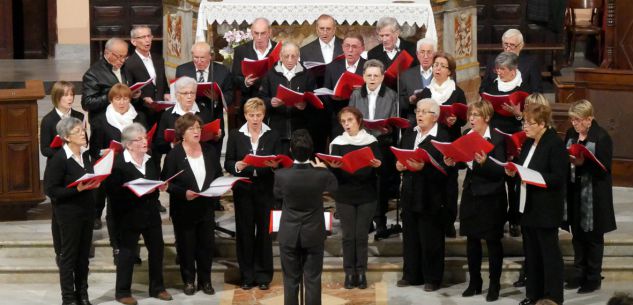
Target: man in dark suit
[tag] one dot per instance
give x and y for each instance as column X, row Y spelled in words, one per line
column 417, row 77
column 390, row 44
column 353, row 47
column 143, row 65
column 102, row 75
column 259, row 48
column 302, row 226
column 326, row 47
column 530, row 67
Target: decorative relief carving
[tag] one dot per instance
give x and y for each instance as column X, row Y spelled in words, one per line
column 463, row 31
column 174, row 35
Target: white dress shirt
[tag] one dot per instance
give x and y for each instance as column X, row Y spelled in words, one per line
column 69, row 154
column 117, row 73
column 261, row 55
column 327, row 49
column 149, row 65
column 198, row 169
column 420, row 137
column 351, row 68
column 289, row 74
column 127, row 157
column 426, row 73
column 393, row 51
column 371, row 101
column 205, row 74
column 63, row 115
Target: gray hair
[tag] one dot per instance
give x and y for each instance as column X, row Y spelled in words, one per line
column 139, row 27
column 129, row 133
column 512, row 33
column 265, row 20
column 202, row 45
column 435, row 107
column 287, row 46
column 428, row 41
column 507, row 60
column 114, row 41
column 185, row 81
column 384, row 22
column 66, row 125
column 374, row 63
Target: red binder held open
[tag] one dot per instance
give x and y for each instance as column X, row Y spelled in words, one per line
column 402, row 62
column 102, row 169
column 317, row 67
column 384, row 123
column 346, row 84
column 418, row 154
column 464, row 148
column 204, row 87
column 527, row 175
column 458, row 110
column 513, row 142
column 352, row 161
column 497, row 101
column 57, row 142
column 210, row 130
column 257, row 68
column 260, row 161
column 161, row 105
column 291, row 97
column 169, row 135
column 577, row 150
column 140, row 85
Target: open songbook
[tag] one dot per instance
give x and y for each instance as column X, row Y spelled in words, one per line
column 401, row 63
column 344, row 86
column 140, row 85
column 275, row 219
column 318, row 67
column 464, row 148
column 161, row 105
column 258, row 68
column 204, row 87
column 418, row 154
column 260, row 161
column 577, row 150
column 221, row 185
column 458, row 110
column 142, row 186
column 208, row 132
column 102, row 169
column 497, row 101
column 383, row 123
column 352, row 161
column 57, row 142
column 291, row 97
column 513, row 142
column 527, row 175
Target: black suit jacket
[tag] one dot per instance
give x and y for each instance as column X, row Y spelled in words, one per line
column 507, row 124
column 136, row 72
column 70, row 204
column 410, row 81
column 96, row 84
column 103, row 133
column 457, row 96
column 48, row 131
column 530, row 73
column 544, row 206
column 168, row 121
column 129, row 210
column 182, row 211
column 422, row 190
column 301, row 187
column 312, row 50
column 217, row 73
column 489, row 178
column 378, row 53
column 239, row 145
column 241, row 52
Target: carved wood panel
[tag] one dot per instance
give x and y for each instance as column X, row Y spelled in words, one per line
column 18, row 121
column 624, row 35
column 20, row 165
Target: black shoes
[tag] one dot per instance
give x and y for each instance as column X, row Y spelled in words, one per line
column 527, row 301
column 493, row 292
column 572, row 284
column 362, row 281
column 473, row 289
column 429, row 287
column 246, row 286
column 206, row 288
column 589, row 287
column 350, row 281
column 514, row 230
column 189, row 289
column 381, row 233
column 403, row 283
column 520, row 282
column 264, row 287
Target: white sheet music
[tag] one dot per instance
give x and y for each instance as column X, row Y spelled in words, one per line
column 527, row 175
column 220, row 186
column 275, row 219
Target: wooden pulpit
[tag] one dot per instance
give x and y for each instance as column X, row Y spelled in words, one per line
column 20, row 187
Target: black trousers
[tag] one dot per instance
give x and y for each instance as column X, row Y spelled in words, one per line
column 102, row 199
column 355, row 222
column 588, row 253
column 57, row 242
column 514, row 216
column 153, row 237
column 544, row 264
column 423, row 248
column 252, row 240
column 76, row 237
column 388, row 184
column 474, row 256
column 299, row 262
column 195, row 250
column 452, row 191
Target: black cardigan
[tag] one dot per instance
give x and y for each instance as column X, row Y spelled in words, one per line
column 360, row 187
column 239, row 145
column 103, row 133
column 48, row 131
column 168, row 121
column 507, row 124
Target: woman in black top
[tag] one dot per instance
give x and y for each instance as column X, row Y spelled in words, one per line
column 253, row 201
column 63, row 97
column 542, row 208
column 136, row 215
column 356, row 196
column 192, row 215
column 482, row 213
column 73, row 208
column 589, row 197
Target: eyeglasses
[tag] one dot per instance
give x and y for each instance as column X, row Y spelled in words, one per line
column 475, row 114
column 80, row 131
column 139, row 139
column 325, row 29
column 423, row 112
column 438, row 65
column 528, row 124
column 188, row 93
column 512, row 46
column 150, row 36
column 119, row 57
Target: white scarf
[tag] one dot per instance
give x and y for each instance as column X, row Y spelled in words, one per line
column 441, row 93
column 362, row 138
column 509, row 86
column 120, row 121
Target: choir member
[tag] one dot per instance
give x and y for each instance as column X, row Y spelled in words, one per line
column 416, row 78
column 391, row 45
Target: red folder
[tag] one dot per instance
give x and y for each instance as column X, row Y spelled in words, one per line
column 352, row 161
column 203, row 87
column 150, row 134
column 578, row 149
column 116, row 146
column 418, row 154
column 319, row 67
column 102, row 169
column 258, row 68
column 402, row 62
column 210, row 130
column 346, row 84
column 513, row 142
column 169, row 135
column 380, row 124
column 464, row 148
column 140, row 85
column 274, row 55
column 497, row 101
column 291, row 97
column 161, row 105
column 260, row 161
column 527, row 175
column 57, row 142
column 456, row 109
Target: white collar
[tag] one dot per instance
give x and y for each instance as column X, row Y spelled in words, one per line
column 270, row 45
column 426, row 73
column 206, row 70
column 486, row 134
column 127, row 157
column 61, row 114
column 244, row 130
column 299, row 162
column 394, row 49
column 432, row 132
column 286, row 70
column 69, row 154
column 347, row 65
column 143, row 57
column 375, row 92
column 179, row 111
column 329, row 44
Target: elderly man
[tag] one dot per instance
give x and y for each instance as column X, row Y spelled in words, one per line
column 258, row 48
column 327, row 46
column 102, row 75
column 282, row 118
column 530, row 67
column 143, row 65
column 390, row 44
column 417, row 78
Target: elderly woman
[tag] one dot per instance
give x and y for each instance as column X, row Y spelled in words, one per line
column 356, row 196
column 482, row 213
column 282, row 118
column 62, row 96
column 74, row 209
column 135, row 216
column 253, row 201
column 376, row 101
column 589, row 197
column 192, row 215
column 542, row 208
column 423, row 206
column 390, row 45
column 105, row 128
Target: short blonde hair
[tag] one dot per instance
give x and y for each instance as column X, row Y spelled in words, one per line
column 60, row 89
column 538, row 113
column 484, row 107
column 581, row 109
column 254, row 104
column 537, row 98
